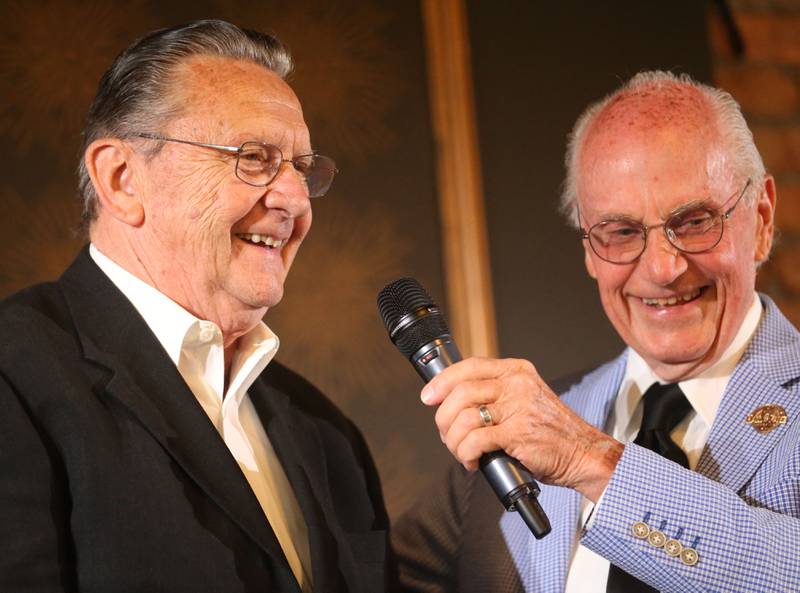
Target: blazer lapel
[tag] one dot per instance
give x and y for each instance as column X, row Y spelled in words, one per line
column 303, row 461
column 767, row 374
column 142, row 377
column 543, row 564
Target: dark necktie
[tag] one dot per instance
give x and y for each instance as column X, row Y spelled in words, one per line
column 664, row 408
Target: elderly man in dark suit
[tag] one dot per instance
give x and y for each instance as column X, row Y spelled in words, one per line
column 673, row 467
column 148, row 443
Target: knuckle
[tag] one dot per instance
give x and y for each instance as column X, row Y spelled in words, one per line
column 523, row 383
column 462, row 453
column 440, row 420
column 470, row 449
column 526, row 366
column 459, row 392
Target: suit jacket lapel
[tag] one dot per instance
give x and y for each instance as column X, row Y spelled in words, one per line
column 767, row 374
column 543, row 564
column 303, row 461
column 143, row 378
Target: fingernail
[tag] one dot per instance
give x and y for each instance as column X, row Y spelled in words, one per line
column 427, row 394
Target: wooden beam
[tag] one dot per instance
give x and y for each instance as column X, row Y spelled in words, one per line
column 468, row 282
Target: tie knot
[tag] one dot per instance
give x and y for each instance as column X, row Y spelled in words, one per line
column 664, row 407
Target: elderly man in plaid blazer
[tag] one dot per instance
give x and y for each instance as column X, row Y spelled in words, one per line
column 676, row 466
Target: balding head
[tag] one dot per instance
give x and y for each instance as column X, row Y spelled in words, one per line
column 660, row 107
column 677, row 213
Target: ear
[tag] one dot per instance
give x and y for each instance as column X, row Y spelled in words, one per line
column 109, row 162
column 765, row 219
column 589, row 260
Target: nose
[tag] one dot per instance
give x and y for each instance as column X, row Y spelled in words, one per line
column 288, row 192
column 661, row 260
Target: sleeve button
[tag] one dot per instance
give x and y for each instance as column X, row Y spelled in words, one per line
column 689, row 556
column 640, row 529
column 673, row 548
column 656, row 538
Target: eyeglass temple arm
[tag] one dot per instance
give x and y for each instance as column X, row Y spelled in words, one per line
column 730, row 210
column 230, row 149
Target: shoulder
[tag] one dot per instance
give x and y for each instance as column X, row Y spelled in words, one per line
column 591, row 393
column 775, row 347
column 37, row 315
column 604, row 377
column 43, row 299
column 303, row 394
column 774, row 329
column 306, row 401
column 564, row 383
column 39, row 311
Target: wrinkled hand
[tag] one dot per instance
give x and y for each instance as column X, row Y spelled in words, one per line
column 529, row 422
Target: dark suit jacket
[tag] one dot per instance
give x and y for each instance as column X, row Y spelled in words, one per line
column 112, row 478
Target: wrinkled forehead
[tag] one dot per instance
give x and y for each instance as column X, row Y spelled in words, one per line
column 229, row 95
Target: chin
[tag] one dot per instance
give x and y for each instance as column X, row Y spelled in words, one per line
column 678, row 364
column 259, row 299
column 676, row 349
column 268, row 301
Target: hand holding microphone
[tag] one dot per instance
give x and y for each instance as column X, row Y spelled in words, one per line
column 419, row 331
column 498, row 415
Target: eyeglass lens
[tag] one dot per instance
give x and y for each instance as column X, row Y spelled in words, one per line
column 622, row 241
column 258, row 164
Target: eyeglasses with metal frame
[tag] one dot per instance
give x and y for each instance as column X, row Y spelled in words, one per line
column 258, row 163
column 691, row 229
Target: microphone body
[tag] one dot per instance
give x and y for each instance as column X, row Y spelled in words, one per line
column 418, row 329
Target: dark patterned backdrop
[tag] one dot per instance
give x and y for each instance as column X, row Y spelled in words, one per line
column 361, row 77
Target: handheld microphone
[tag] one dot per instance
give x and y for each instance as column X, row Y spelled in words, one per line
column 418, row 329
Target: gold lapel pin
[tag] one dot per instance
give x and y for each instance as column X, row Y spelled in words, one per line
column 766, row 418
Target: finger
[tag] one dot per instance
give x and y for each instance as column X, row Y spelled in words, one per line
column 466, row 421
column 471, row 369
column 476, row 443
column 466, row 395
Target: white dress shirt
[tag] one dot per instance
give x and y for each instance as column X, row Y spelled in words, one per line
column 195, row 346
column 588, row 571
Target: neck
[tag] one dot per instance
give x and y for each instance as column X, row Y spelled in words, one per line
column 234, row 319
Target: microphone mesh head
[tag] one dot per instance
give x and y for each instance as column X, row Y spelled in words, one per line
column 404, row 297
column 400, row 298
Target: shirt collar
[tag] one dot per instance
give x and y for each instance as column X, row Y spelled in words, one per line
column 704, row 391
column 166, row 319
column 179, row 331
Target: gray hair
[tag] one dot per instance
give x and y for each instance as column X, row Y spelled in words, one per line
column 134, row 94
column 730, row 122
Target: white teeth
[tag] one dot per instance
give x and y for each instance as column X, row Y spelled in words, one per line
column 684, row 298
column 265, row 239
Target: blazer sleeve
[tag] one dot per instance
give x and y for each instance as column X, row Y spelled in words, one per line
column 34, row 508
column 739, row 547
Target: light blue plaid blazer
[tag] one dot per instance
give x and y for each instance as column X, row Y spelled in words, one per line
column 740, row 508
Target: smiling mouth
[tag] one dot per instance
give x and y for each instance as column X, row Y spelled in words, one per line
column 265, row 240
column 674, row 300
